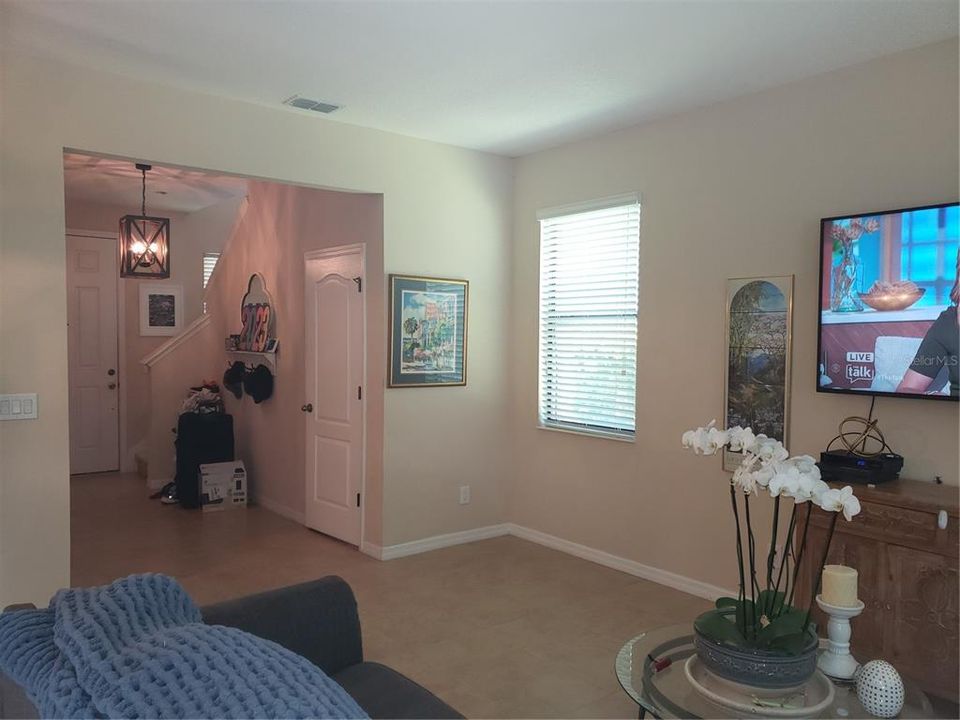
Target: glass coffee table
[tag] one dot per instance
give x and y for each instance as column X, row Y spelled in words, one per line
column 668, row 693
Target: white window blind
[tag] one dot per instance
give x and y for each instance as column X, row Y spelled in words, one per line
column 209, row 263
column 589, row 283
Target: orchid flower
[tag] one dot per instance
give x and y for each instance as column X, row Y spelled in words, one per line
column 808, row 484
column 786, row 480
column 705, row 440
column 766, row 463
column 806, row 465
column 741, row 439
column 770, row 450
column 744, row 477
column 817, row 488
column 833, row 500
column 716, row 440
column 693, row 438
column 764, row 475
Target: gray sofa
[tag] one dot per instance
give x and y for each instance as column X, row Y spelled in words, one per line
column 319, row 621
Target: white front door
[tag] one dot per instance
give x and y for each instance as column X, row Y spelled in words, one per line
column 92, row 349
column 333, row 411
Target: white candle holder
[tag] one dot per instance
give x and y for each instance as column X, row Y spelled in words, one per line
column 836, row 661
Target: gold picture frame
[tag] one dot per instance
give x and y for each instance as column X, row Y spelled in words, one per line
column 758, row 348
column 428, row 331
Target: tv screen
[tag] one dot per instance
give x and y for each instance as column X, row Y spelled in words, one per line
column 888, row 303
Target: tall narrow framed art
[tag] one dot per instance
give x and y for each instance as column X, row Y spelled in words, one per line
column 759, row 322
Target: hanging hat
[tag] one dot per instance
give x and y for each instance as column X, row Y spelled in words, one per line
column 259, row 383
column 233, row 379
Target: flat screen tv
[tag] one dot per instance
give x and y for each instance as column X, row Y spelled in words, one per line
column 888, row 303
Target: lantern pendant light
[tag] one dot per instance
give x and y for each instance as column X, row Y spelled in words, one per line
column 144, row 240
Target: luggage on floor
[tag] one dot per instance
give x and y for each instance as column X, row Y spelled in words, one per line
column 200, row 439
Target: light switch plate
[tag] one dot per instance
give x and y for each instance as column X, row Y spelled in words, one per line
column 22, row 406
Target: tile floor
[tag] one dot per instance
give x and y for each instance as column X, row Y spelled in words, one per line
column 501, row 628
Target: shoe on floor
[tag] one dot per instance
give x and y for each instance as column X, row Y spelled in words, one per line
column 168, row 495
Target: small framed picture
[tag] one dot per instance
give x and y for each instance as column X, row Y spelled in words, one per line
column 428, row 331
column 161, row 308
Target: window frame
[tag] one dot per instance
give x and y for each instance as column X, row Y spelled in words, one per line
column 584, row 430
column 941, row 283
column 204, row 278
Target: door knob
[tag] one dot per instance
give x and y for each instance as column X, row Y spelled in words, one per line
column 112, row 386
column 111, row 372
column 307, row 408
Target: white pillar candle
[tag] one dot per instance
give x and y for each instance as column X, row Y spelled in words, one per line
column 839, row 586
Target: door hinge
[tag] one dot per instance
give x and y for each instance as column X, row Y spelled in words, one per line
column 358, row 499
column 359, row 282
column 359, row 392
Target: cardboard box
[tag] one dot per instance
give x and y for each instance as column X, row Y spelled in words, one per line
column 223, row 486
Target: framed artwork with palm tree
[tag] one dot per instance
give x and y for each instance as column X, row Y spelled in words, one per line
column 428, row 331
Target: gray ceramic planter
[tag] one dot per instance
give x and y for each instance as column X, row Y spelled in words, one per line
column 767, row 669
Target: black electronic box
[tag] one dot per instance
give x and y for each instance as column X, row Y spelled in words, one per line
column 845, row 466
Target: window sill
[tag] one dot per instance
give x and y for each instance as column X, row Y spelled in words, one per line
column 599, row 434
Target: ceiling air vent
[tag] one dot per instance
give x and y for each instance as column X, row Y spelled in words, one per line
column 303, row 103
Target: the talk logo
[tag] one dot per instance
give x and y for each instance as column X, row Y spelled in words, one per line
column 859, row 366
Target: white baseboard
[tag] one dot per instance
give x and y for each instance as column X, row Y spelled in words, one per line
column 281, row 510
column 631, row 567
column 129, row 463
column 441, row 541
column 298, row 517
column 374, row 551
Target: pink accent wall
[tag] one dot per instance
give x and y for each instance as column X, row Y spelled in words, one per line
column 204, row 230
column 281, row 223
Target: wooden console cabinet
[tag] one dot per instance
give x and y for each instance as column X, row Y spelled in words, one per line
column 908, row 578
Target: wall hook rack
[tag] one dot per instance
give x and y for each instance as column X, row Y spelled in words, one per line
column 251, row 359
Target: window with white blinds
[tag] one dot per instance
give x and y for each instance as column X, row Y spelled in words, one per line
column 209, row 263
column 589, row 283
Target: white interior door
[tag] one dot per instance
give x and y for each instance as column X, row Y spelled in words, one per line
column 92, row 347
column 333, row 411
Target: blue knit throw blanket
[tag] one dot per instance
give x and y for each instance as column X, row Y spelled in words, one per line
column 138, row 648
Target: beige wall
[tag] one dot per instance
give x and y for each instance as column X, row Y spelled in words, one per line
column 192, row 234
column 279, row 224
column 732, row 190
column 446, row 212
column 729, row 191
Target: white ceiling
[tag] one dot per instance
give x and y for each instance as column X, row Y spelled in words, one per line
column 506, row 77
column 106, row 181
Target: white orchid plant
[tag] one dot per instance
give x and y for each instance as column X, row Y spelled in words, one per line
column 765, row 615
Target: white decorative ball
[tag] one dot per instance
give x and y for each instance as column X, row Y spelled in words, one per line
column 880, row 689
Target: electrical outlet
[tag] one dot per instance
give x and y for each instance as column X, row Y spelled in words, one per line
column 464, row 494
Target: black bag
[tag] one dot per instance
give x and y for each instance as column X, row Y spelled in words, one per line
column 201, row 438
